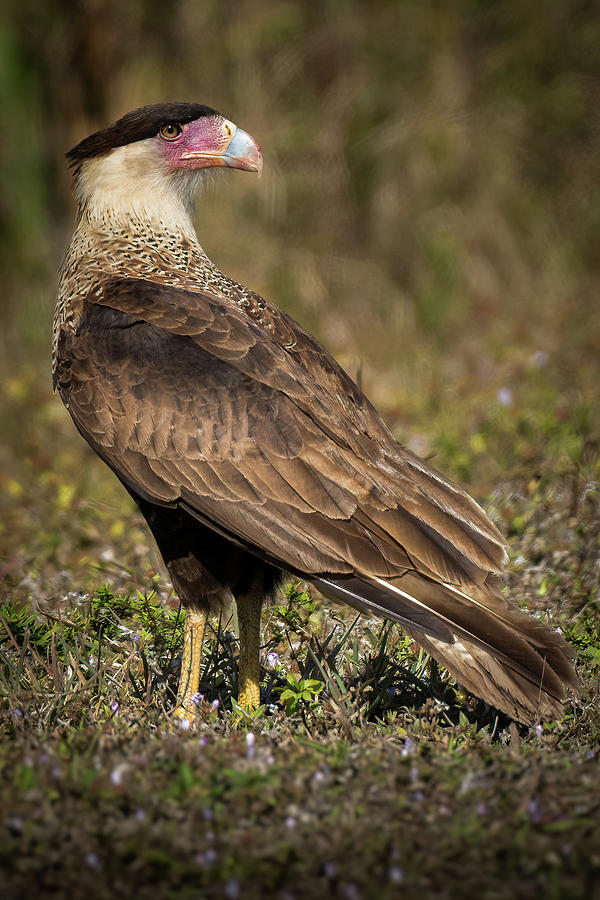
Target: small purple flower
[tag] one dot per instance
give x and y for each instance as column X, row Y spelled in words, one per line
column 481, row 809
column 197, row 698
column 409, row 747
column 136, row 638
column 115, row 707
column 15, row 825
column 250, row 741
column 330, row 870
column 418, row 796
column 535, row 811
column 351, row 891
column 232, row 889
column 539, row 730
column 558, row 630
column 185, row 724
column 208, row 814
column 272, row 659
column 92, row 860
column 17, row 713
column 539, row 359
column 215, row 704
column 290, row 823
column 203, row 740
column 140, row 814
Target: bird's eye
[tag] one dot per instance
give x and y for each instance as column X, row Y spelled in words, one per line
column 170, row 131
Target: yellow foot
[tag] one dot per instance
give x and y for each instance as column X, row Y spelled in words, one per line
column 188, row 701
column 190, row 711
column 248, row 608
column 183, row 717
column 249, row 696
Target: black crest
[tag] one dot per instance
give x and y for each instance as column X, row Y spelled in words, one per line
column 137, row 125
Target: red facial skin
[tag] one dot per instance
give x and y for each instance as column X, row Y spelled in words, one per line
column 210, row 141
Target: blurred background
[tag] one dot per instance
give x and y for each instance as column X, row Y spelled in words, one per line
column 429, row 209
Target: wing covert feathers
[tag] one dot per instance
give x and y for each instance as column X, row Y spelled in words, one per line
column 244, row 421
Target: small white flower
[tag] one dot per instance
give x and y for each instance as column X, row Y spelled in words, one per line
column 116, row 776
column 396, row 875
column 504, row 396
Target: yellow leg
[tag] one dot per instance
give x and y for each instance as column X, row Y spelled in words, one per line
column 248, row 608
column 195, row 622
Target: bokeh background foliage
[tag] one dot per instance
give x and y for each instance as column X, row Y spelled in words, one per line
column 430, row 209
column 430, row 168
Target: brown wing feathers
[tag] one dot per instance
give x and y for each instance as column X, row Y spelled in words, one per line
column 189, row 400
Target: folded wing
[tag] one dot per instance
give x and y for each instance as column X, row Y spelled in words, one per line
column 242, row 419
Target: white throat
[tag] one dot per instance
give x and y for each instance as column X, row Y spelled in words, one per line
column 133, row 182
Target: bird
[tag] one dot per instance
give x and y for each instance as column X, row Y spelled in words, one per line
column 250, row 452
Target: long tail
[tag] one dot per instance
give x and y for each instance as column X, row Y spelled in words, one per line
column 502, row 655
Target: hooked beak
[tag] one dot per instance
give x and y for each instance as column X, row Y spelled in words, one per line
column 232, row 147
column 243, row 153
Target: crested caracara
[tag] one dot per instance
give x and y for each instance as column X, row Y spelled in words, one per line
column 247, row 448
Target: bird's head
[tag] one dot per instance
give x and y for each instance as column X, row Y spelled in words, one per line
column 153, row 159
